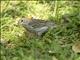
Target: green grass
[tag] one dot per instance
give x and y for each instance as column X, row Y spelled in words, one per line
column 56, row 43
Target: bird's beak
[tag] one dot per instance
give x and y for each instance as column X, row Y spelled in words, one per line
column 17, row 21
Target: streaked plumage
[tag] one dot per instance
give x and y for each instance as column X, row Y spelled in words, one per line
column 36, row 25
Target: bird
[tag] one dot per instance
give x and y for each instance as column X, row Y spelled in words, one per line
column 37, row 26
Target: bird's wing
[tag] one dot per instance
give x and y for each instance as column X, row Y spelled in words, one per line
column 37, row 23
column 41, row 30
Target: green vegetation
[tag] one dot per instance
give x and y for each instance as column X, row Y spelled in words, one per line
column 56, row 44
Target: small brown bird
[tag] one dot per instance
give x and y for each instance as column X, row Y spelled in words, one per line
column 36, row 26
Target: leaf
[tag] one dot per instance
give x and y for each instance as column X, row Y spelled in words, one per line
column 54, row 58
column 76, row 47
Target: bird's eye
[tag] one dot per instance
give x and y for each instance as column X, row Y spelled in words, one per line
column 21, row 20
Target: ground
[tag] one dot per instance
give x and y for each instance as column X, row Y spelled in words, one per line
column 56, row 44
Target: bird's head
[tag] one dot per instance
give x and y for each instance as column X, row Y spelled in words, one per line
column 25, row 21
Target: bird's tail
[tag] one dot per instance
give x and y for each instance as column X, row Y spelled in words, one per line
column 51, row 24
